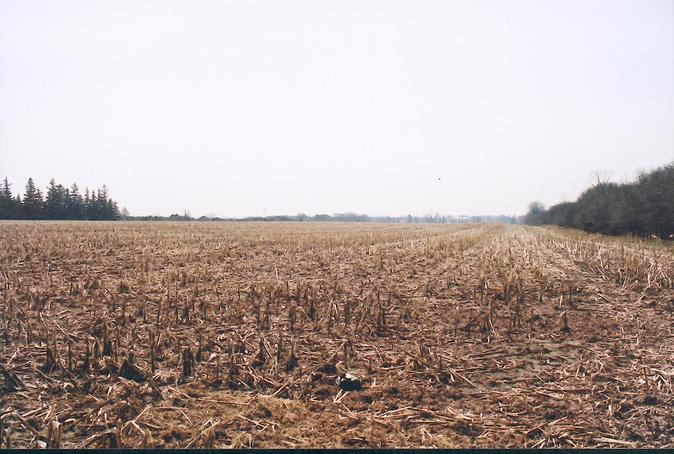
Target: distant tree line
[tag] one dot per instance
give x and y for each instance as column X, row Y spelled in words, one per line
column 642, row 207
column 352, row 217
column 58, row 203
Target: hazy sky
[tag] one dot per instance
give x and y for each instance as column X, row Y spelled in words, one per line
column 244, row 107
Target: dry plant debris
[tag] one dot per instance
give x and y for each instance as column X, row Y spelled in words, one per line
column 239, row 335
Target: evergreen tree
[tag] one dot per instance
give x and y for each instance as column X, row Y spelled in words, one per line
column 87, row 204
column 103, row 203
column 32, row 202
column 7, row 202
column 75, row 204
column 55, row 201
column 97, row 204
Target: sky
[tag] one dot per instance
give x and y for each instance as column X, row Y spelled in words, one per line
column 241, row 108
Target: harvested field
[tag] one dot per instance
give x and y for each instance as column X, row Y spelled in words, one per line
column 234, row 335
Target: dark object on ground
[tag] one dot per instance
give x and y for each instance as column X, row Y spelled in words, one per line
column 349, row 382
column 12, row 381
column 131, row 371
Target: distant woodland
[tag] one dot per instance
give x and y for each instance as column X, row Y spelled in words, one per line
column 342, row 217
column 59, row 203
column 642, row 207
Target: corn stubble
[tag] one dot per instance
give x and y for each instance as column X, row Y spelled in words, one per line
column 237, row 335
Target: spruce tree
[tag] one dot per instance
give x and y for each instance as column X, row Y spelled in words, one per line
column 52, row 201
column 32, row 202
column 7, row 202
column 87, row 204
column 75, row 203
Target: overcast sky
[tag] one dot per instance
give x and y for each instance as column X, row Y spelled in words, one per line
column 239, row 108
